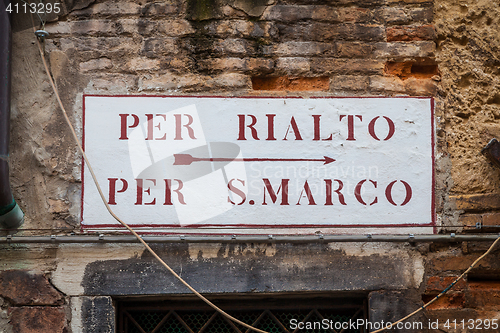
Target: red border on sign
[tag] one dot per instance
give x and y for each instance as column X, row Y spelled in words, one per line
column 255, row 226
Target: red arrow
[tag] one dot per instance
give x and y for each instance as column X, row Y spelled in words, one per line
column 186, row 159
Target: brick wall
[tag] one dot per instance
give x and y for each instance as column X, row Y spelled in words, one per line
column 441, row 48
column 360, row 47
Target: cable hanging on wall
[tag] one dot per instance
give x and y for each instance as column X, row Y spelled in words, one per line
column 41, row 35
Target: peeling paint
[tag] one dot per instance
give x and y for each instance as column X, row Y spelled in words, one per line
column 72, row 260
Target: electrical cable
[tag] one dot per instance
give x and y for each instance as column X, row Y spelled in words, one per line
column 220, row 311
column 444, row 291
column 75, row 136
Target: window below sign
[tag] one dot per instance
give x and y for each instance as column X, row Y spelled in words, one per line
column 277, row 315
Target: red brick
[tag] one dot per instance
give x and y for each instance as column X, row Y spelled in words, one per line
column 491, row 219
column 422, row 69
column 477, row 202
column 436, row 284
column 447, row 301
column 458, row 263
column 484, row 295
column 23, row 287
column 410, row 33
column 38, row 320
column 451, row 263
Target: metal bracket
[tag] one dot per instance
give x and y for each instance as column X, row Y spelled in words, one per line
column 41, row 34
column 492, row 151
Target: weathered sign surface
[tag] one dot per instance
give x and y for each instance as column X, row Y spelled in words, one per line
column 220, row 163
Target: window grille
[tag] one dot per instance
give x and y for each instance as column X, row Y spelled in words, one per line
column 273, row 316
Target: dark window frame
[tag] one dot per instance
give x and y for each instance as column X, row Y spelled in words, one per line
column 177, row 310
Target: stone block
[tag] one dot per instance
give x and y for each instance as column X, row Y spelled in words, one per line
column 386, row 83
column 291, row 83
column 157, row 9
column 192, row 82
column 112, row 83
column 141, row 64
column 96, row 64
column 288, row 13
column 141, row 26
column 158, row 47
column 198, row 10
column 108, row 9
column 420, row 87
column 491, row 219
column 98, row 44
column 232, row 46
column 293, row 65
column 346, row 66
column 477, row 202
column 390, row 306
column 175, row 27
column 279, row 272
column 411, row 33
column 422, row 15
column 303, row 49
column 319, row 31
column 98, row 315
column 239, row 28
column 395, row 15
column 58, row 28
column 94, row 27
column 38, row 320
column 354, row 50
column 419, row 49
column 229, row 81
column 219, row 65
column 349, row 82
column 24, row 287
column 470, row 220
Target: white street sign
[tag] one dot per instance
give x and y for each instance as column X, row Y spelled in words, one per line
column 250, row 165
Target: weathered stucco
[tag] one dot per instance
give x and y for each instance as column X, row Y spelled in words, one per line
column 448, row 49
